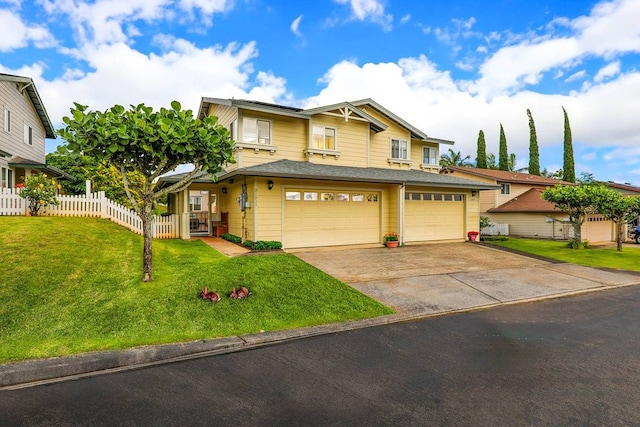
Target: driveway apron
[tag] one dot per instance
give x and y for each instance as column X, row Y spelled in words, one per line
column 437, row 278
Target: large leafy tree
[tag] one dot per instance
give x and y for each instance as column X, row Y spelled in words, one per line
column 152, row 143
column 481, row 155
column 102, row 175
column 618, row 209
column 568, row 167
column 453, row 158
column 534, row 154
column 503, row 155
column 577, row 201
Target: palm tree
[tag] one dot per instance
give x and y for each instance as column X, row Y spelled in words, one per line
column 454, row 159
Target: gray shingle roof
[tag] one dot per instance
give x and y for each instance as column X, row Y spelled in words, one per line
column 306, row 170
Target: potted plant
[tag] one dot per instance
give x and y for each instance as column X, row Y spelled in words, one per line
column 391, row 240
column 473, row 235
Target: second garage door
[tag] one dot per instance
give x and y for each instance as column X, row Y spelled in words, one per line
column 433, row 216
column 330, row 217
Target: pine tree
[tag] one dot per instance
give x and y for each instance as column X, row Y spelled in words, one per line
column 503, row 155
column 534, row 155
column 568, row 167
column 481, row 159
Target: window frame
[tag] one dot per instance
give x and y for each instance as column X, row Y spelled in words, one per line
column 28, row 134
column 428, row 157
column 505, row 188
column 324, row 137
column 257, row 142
column 407, row 149
column 193, row 204
column 7, row 120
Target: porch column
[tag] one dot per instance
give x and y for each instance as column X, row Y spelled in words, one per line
column 183, row 211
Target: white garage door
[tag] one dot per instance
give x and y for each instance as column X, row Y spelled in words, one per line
column 433, row 216
column 598, row 229
column 330, row 217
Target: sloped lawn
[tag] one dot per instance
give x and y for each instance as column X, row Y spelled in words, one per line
column 72, row 285
column 628, row 259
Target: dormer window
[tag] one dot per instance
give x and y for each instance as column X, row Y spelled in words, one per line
column 256, row 131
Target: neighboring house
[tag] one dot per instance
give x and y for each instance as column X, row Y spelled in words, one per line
column 627, row 190
column 25, row 125
column 519, row 204
column 342, row 174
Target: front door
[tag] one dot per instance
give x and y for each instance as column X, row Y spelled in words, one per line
column 199, row 215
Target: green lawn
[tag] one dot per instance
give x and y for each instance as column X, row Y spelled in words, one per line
column 628, row 259
column 72, row 285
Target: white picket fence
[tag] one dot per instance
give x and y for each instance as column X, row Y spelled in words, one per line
column 91, row 205
column 496, row 230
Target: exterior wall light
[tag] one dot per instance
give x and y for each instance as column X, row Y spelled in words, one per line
column 224, row 190
column 270, row 184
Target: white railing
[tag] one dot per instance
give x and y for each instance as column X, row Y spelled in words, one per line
column 496, row 230
column 91, row 205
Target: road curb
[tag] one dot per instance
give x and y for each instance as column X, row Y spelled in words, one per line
column 31, row 373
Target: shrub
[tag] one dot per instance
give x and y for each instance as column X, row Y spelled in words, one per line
column 487, row 238
column 39, row 191
column 262, row 245
column 485, row 222
column 231, row 238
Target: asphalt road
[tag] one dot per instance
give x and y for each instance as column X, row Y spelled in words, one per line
column 571, row 361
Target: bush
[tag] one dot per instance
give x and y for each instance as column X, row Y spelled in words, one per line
column 487, row 238
column 231, row 238
column 485, row 222
column 40, row 192
column 262, row 245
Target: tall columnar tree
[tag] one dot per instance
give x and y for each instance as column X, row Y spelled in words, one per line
column 152, row 143
column 503, row 155
column 568, row 168
column 534, row 155
column 481, row 155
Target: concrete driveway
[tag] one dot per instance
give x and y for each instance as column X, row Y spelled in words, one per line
column 436, row 278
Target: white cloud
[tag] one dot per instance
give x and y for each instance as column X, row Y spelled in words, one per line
column 610, row 70
column 610, row 29
column 295, row 26
column 406, row 18
column 369, row 10
column 576, row 76
column 17, row 34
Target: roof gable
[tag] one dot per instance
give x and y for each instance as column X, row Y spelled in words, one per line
column 28, row 85
column 529, row 201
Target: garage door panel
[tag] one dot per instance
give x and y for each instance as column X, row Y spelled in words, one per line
column 428, row 216
column 331, row 222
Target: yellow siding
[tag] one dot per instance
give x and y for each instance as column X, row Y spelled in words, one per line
column 351, row 141
column 268, row 210
column 380, row 145
column 226, row 115
column 416, row 155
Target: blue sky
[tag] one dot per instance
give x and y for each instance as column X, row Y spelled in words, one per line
column 450, row 68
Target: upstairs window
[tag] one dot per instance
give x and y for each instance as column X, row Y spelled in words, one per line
column 324, row 138
column 505, row 188
column 7, row 120
column 256, row 131
column 400, row 149
column 429, row 156
column 28, row 135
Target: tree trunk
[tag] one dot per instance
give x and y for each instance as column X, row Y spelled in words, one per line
column 577, row 231
column 619, row 235
column 147, row 234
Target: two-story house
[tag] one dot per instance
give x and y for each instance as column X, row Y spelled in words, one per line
column 24, row 127
column 518, row 202
column 341, row 174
